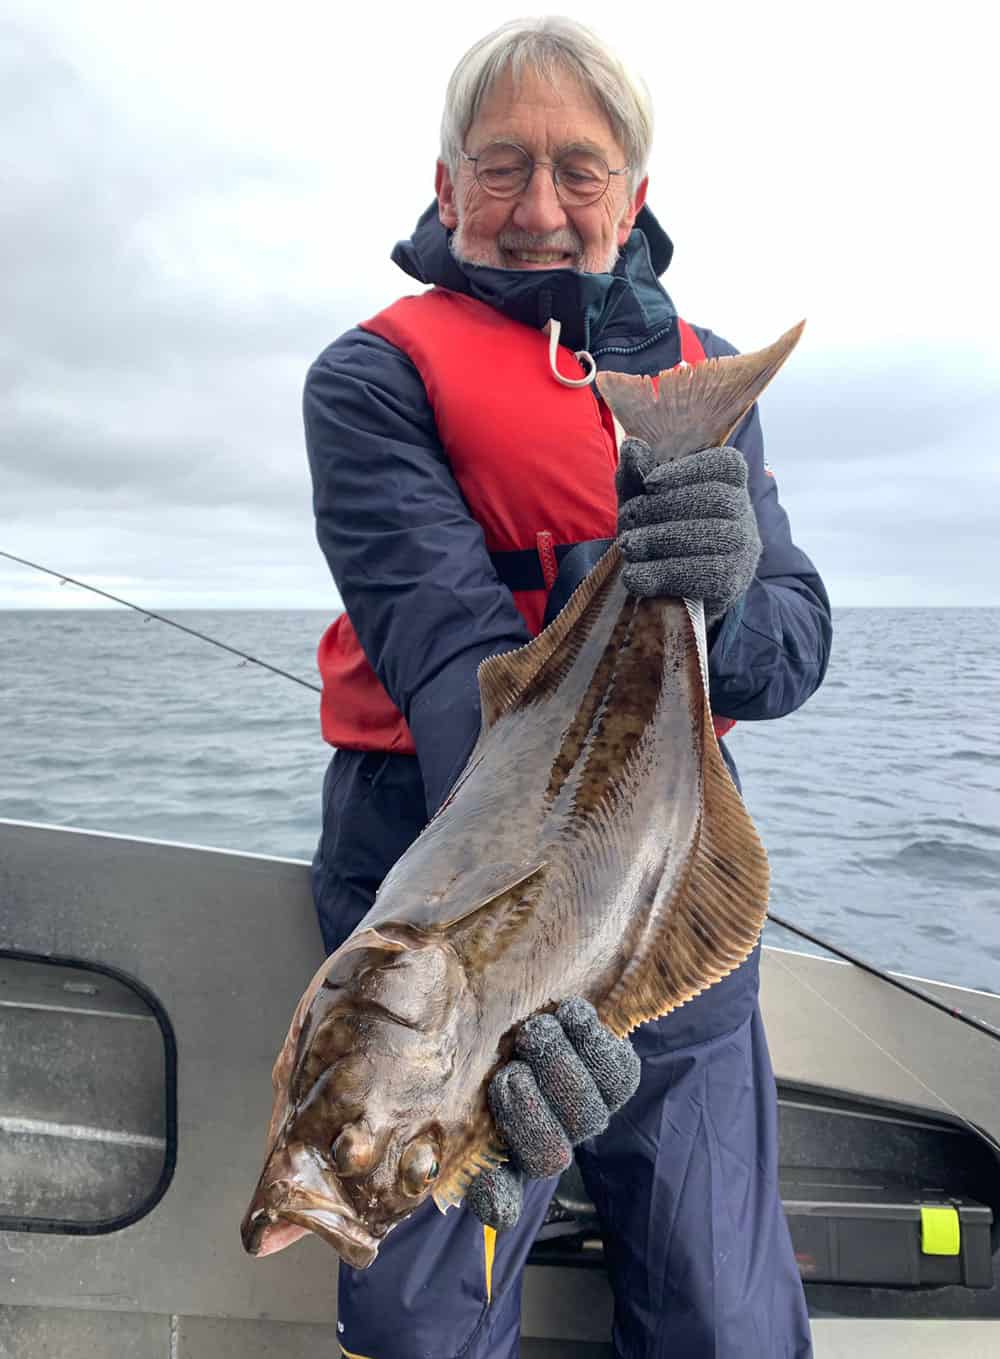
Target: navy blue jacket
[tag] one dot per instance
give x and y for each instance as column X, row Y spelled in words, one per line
column 410, row 561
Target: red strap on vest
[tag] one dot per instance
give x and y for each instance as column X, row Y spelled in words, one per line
column 547, row 556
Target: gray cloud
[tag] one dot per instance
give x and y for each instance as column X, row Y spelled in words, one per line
column 886, row 409
column 161, row 306
column 117, row 235
column 150, row 403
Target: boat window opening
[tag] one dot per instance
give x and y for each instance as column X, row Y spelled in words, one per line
column 88, row 1117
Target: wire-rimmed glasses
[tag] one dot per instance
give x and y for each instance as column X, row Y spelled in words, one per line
column 504, row 170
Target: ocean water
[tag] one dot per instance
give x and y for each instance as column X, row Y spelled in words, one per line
column 879, row 801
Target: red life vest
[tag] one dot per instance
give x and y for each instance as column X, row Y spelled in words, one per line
column 521, row 501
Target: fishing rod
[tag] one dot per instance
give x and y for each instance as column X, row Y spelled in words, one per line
column 951, row 1010
column 160, row 618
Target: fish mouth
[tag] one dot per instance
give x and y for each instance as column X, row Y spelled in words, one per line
column 268, row 1229
column 295, row 1195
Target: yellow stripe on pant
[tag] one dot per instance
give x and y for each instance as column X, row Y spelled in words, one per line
column 489, row 1246
column 489, row 1250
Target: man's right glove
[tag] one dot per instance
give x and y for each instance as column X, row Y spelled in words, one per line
column 573, row 1074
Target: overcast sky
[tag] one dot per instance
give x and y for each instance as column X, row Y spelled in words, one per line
column 197, row 198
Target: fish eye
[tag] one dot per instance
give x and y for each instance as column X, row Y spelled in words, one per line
column 352, row 1151
column 418, row 1166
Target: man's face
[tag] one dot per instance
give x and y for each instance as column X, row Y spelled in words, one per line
column 534, row 230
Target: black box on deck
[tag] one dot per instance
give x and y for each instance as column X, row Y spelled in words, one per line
column 863, row 1228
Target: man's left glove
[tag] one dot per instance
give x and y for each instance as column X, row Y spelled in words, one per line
column 573, row 1074
column 686, row 528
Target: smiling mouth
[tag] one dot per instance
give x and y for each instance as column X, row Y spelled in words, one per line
column 544, row 259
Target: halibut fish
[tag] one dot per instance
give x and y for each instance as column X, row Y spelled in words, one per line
column 593, row 845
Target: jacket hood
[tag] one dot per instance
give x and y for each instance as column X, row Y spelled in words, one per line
column 623, row 307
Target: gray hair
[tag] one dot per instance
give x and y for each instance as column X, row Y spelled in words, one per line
column 549, row 46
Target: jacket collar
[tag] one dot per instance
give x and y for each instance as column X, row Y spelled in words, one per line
column 597, row 311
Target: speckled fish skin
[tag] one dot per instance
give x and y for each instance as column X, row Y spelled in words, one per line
column 593, row 845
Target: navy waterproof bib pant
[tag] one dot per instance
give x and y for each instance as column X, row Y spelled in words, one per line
column 685, row 1178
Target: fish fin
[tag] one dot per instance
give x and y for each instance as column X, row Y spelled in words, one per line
column 488, row 884
column 453, row 1187
column 482, row 933
column 696, row 613
column 284, row 1063
column 714, row 917
column 504, row 679
column 697, row 407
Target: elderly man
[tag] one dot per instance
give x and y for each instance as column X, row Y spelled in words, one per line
column 465, row 477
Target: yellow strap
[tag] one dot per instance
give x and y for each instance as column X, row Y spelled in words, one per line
column 489, row 1246
column 940, row 1231
column 348, row 1355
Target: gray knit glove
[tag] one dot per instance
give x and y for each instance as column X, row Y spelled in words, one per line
column 686, row 528
column 573, row 1075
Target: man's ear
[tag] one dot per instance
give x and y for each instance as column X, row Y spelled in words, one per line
column 632, row 211
column 445, row 190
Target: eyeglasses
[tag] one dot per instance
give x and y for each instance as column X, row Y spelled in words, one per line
column 504, row 170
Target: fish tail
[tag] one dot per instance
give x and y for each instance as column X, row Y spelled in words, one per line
column 687, row 409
